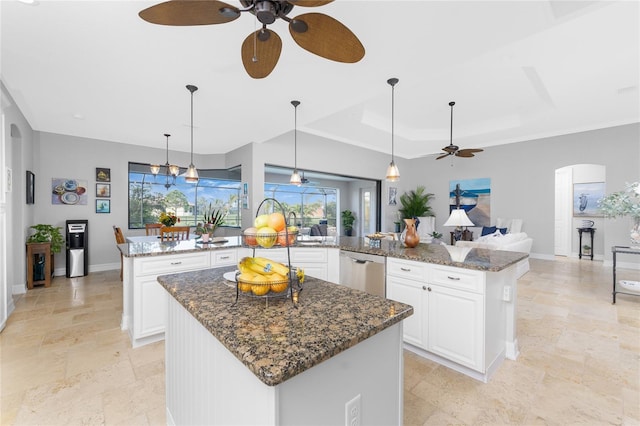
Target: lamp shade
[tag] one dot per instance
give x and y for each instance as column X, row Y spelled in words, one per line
column 393, row 174
column 191, row 175
column 155, row 169
column 458, row 217
column 295, row 178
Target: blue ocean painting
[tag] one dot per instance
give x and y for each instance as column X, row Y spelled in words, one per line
column 475, row 199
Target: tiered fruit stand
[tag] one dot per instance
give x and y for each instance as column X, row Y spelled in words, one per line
column 273, row 285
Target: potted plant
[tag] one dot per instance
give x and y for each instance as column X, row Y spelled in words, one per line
column 168, row 219
column 437, row 237
column 586, row 249
column 347, row 221
column 624, row 203
column 415, row 203
column 47, row 234
column 398, row 222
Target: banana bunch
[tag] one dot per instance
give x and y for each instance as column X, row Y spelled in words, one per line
column 259, row 275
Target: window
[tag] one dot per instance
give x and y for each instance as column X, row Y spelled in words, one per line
column 151, row 195
column 312, row 205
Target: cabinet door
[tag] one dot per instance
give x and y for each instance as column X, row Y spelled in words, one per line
column 456, row 326
column 411, row 293
column 224, row 258
column 150, row 300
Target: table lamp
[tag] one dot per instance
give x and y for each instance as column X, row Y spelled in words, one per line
column 458, row 218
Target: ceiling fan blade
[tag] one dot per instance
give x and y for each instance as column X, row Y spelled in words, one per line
column 190, row 12
column 309, row 3
column 326, row 37
column 442, row 156
column 464, row 153
column 260, row 56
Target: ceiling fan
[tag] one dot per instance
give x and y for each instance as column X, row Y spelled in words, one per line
column 317, row 33
column 454, row 149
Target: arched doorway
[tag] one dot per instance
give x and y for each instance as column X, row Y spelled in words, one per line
column 565, row 234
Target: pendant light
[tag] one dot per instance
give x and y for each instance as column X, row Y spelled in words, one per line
column 295, row 176
column 169, row 169
column 393, row 174
column 191, row 175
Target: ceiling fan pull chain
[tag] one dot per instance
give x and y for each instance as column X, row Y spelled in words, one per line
column 255, row 41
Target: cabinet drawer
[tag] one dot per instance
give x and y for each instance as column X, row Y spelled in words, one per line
column 172, row 263
column 462, row 279
column 309, row 255
column 224, row 257
column 407, row 269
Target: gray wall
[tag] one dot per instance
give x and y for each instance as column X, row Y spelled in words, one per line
column 522, row 179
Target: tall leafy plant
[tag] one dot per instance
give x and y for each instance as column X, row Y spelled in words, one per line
column 415, row 203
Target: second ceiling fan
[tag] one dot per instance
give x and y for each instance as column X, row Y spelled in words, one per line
column 454, row 149
column 317, row 33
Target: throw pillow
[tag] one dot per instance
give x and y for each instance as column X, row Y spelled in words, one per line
column 486, row 230
column 502, row 230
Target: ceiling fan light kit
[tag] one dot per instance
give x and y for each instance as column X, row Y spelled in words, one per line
column 317, row 33
column 295, row 176
column 393, row 174
column 454, row 149
column 191, row 175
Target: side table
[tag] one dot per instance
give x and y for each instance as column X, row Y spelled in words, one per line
column 590, row 231
column 626, row 250
column 466, row 236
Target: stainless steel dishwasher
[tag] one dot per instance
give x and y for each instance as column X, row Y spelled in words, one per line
column 364, row 272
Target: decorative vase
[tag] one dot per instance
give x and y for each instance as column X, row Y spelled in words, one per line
column 411, row 237
column 635, row 232
column 205, row 238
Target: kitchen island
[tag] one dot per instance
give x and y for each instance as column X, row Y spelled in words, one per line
column 464, row 299
column 265, row 361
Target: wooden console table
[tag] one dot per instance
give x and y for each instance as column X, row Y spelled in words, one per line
column 590, row 231
column 34, row 249
column 626, row 250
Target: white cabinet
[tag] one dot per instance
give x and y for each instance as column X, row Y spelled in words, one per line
column 224, row 257
column 450, row 314
column 147, row 308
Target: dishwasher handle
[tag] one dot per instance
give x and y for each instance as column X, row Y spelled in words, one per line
column 361, row 262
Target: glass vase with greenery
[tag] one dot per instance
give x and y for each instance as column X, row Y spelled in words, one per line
column 348, row 218
column 624, row 203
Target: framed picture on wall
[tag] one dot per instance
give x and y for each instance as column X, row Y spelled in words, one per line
column 586, row 197
column 393, row 194
column 103, row 190
column 103, row 206
column 31, row 187
column 103, row 175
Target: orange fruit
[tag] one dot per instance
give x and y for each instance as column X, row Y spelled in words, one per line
column 276, row 221
column 260, row 289
column 250, row 237
column 279, row 287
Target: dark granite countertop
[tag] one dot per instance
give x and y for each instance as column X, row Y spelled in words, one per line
column 275, row 340
column 460, row 257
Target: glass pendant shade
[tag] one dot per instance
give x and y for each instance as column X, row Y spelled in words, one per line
column 393, row 174
column 191, row 175
column 458, row 218
column 295, row 178
column 155, row 169
column 174, row 170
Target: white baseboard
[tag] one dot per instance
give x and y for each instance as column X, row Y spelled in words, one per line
column 61, row 272
column 542, row 256
column 18, row 289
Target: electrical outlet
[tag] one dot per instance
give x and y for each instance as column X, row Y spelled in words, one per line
column 506, row 294
column 353, row 412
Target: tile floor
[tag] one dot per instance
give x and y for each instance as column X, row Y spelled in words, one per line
column 64, row 360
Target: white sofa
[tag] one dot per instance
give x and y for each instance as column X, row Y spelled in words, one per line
column 519, row 242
